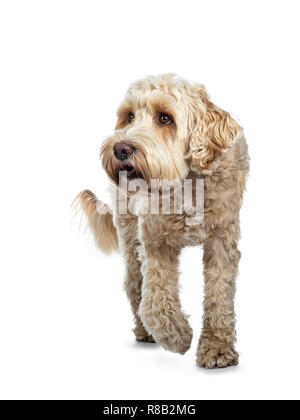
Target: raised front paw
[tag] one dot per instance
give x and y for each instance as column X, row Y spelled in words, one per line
column 177, row 337
column 169, row 328
column 216, row 354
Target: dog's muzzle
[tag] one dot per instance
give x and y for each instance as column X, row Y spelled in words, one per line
column 122, row 150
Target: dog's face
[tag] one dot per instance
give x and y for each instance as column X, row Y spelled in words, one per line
column 166, row 128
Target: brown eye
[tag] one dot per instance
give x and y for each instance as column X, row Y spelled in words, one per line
column 164, row 118
column 130, row 117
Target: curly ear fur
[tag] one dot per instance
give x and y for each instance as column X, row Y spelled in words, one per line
column 214, row 131
column 100, row 220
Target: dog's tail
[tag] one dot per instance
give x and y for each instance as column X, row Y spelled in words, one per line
column 100, row 220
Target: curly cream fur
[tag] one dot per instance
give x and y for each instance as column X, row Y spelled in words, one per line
column 203, row 142
column 100, row 220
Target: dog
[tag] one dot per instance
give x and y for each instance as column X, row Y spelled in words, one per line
column 169, row 129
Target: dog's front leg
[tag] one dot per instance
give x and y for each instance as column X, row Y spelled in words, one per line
column 160, row 309
column 221, row 257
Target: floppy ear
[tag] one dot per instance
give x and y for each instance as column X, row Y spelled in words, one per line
column 214, row 131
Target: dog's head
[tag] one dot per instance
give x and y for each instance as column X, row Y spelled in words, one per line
column 167, row 128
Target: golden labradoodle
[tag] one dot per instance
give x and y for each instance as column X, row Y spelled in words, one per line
column 168, row 129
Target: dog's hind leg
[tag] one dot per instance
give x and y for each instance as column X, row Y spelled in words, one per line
column 127, row 228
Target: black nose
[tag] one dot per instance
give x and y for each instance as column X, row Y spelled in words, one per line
column 122, row 150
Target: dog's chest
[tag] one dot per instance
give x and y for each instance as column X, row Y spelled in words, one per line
column 193, row 235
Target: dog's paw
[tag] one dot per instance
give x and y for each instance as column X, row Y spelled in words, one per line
column 177, row 338
column 170, row 328
column 213, row 355
column 141, row 334
column 146, row 339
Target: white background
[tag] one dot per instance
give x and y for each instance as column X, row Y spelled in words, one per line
column 65, row 324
